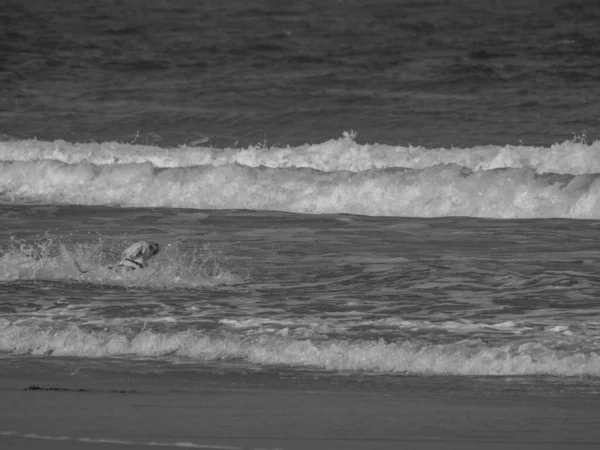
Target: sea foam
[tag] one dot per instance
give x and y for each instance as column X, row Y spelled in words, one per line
column 334, row 177
column 343, row 154
column 468, row 357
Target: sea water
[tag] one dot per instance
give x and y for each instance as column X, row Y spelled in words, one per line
column 379, row 189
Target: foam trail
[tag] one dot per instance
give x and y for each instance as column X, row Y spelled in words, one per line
column 119, row 441
column 472, row 357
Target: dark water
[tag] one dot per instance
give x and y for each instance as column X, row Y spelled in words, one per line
column 434, row 73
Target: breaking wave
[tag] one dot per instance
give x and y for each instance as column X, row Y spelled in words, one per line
column 344, row 154
column 338, row 176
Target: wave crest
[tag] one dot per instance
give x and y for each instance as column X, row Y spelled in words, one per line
column 574, row 157
column 338, row 176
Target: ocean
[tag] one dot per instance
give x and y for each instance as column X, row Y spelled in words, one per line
column 365, row 198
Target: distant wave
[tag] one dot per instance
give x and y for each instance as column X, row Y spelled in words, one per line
column 334, row 177
column 468, row 357
column 343, row 154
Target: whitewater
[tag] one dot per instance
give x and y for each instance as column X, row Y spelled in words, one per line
column 266, row 290
column 339, row 176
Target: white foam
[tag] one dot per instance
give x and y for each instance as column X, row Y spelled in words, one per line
column 343, row 154
column 466, row 357
column 432, row 192
column 337, row 176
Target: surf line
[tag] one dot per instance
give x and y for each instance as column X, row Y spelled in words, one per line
column 124, row 442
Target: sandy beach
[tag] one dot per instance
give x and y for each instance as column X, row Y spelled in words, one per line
column 49, row 405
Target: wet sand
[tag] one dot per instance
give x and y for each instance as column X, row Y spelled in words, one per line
column 68, row 406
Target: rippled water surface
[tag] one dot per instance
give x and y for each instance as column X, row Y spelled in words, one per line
column 336, row 292
column 434, row 73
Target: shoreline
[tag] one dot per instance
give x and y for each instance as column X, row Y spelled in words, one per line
column 79, row 405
